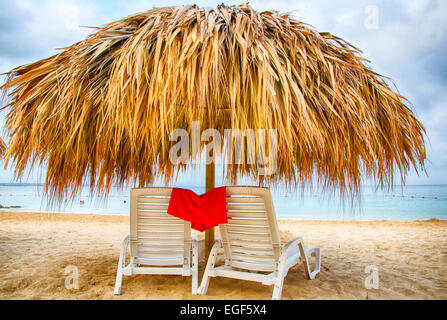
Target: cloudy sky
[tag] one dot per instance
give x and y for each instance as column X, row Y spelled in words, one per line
column 405, row 40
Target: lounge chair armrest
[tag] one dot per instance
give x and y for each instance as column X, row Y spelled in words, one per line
column 292, row 243
column 305, row 252
column 217, row 247
column 218, row 244
column 127, row 237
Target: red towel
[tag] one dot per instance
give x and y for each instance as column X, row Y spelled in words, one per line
column 203, row 211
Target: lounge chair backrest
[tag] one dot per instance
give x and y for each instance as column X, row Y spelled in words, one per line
column 157, row 238
column 251, row 238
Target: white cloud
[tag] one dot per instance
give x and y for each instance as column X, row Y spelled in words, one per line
column 416, row 6
column 48, row 25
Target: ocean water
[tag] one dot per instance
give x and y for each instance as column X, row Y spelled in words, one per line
column 412, row 202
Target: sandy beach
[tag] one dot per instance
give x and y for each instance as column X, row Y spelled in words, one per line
column 37, row 249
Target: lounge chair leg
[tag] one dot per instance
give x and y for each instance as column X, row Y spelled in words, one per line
column 311, row 274
column 277, row 287
column 118, row 282
column 121, row 261
column 209, row 266
column 195, row 262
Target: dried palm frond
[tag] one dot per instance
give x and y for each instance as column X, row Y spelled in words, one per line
column 101, row 111
column 2, row 147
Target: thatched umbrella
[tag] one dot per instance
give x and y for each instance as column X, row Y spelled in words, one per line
column 101, row 111
column 2, row 147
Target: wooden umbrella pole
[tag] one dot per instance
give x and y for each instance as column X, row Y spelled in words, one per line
column 209, row 184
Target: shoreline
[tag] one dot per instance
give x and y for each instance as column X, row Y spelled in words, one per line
column 7, row 210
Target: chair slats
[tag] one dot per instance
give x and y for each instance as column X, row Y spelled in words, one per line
column 246, row 207
column 153, row 192
column 158, row 262
column 246, row 214
column 159, row 220
column 248, row 222
column 248, row 236
column 151, row 254
column 249, row 229
column 154, row 200
column 246, row 249
column 252, row 243
column 151, row 227
column 157, row 240
column 154, row 246
column 267, row 267
column 160, row 234
column 252, row 258
column 154, row 215
column 147, row 241
column 233, row 199
column 153, row 207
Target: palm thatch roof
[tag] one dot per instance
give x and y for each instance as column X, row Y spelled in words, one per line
column 2, row 147
column 101, row 110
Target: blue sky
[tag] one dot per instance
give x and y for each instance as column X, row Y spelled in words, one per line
column 406, row 40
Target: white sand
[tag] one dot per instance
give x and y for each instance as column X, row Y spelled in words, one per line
column 35, row 249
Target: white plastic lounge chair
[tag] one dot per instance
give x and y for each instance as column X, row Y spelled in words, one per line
column 251, row 243
column 159, row 242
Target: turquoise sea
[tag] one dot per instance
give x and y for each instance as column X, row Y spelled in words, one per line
column 412, row 202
